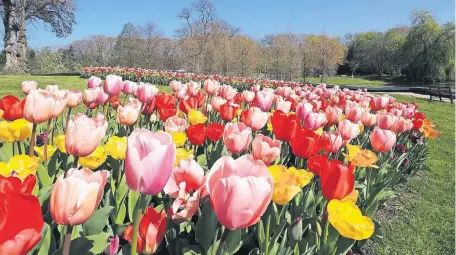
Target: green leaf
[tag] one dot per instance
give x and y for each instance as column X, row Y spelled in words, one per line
column 192, row 250
column 78, row 246
column 132, row 200
column 53, row 165
column 97, row 222
column 255, row 251
column 233, row 241
column 378, row 232
column 44, row 193
column 343, row 245
column 99, row 242
column 45, row 243
column 43, row 176
column 4, row 157
column 206, row 226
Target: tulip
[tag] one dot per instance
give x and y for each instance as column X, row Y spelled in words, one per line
column 353, row 112
column 12, row 107
column 41, row 106
column 193, row 88
column 303, row 109
column 102, row 97
column 21, row 221
column 333, row 115
column 396, row 112
column 331, row 142
column 240, row 190
column 386, row 121
column 181, row 94
column 129, row 114
column 228, row 111
column 227, row 92
column 305, row 143
column 187, row 104
column 284, row 106
column 214, row 131
column 379, row 102
column 348, row 130
column 146, row 92
column 73, row 98
column 164, row 100
column 248, row 96
column 95, row 159
column 182, row 154
column 152, row 228
column 382, row 140
column 263, row 100
column 149, row 161
column 40, row 151
column 94, row 82
column 16, row 131
column 315, row 120
column 84, row 134
column 90, row 96
column 368, row 119
column 359, row 157
column 149, row 108
column 76, row 197
column 217, row 102
column 419, row 115
column 196, row 134
column 317, row 163
column 166, row 113
column 417, row 124
column 116, row 147
column 348, row 220
column 265, row 148
column 337, row 180
column 186, row 205
column 402, row 125
column 175, row 124
column 237, row 137
column 26, row 86
column 53, row 89
column 112, row 85
column 187, row 171
column 179, row 138
column 211, row 87
column 196, row 117
column 20, row 166
column 175, row 85
column 255, row 118
column 288, row 182
column 1, row 114
column 256, row 88
column 113, row 247
column 60, row 143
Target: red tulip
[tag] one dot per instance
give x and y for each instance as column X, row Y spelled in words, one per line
column 214, row 131
column 419, row 115
column 149, row 107
column 305, row 143
column 227, row 111
column 283, row 126
column 200, row 98
column 21, row 221
column 165, row 101
column 165, row 113
column 337, row 180
column 187, row 104
column 316, row 163
column 196, row 134
column 12, row 107
column 417, row 124
column 237, row 98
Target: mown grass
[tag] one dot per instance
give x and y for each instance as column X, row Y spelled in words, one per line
column 10, row 84
column 359, row 81
column 421, row 219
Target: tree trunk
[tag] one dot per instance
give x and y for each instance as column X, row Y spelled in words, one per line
column 14, row 59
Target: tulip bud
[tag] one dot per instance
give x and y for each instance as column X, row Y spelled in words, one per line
column 295, row 230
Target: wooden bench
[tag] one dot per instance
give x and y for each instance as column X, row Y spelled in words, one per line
column 441, row 91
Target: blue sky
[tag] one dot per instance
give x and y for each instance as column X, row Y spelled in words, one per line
column 254, row 17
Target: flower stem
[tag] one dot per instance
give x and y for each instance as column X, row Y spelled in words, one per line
column 46, row 139
column 220, row 249
column 66, row 244
column 75, row 162
column 138, row 214
column 32, row 140
column 19, row 147
column 67, row 118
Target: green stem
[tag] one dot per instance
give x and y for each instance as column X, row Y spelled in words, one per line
column 32, row 141
column 19, row 147
column 220, row 249
column 67, row 243
column 75, row 162
column 67, row 118
column 46, row 139
column 368, row 180
column 138, row 214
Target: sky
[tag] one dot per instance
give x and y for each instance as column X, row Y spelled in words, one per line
column 254, row 17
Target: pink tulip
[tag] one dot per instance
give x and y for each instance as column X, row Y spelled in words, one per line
column 331, row 142
column 385, row 120
column 265, row 149
column 240, row 190
column 283, row 106
column 181, row 94
column 26, row 86
column 129, row 87
column 333, row 115
column 263, row 100
column 256, row 119
column 42, row 105
column 127, row 115
column 175, row 124
column 146, row 92
column 256, row 88
column 409, row 112
column 368, row 119
column 102, row 97
column 113, row 247
column 237, row 137
column 382, row 140
column 84, row 134
column 348, row 129
column 353, row 112
column 217, row 102
column 73, row 98
column 315, row 120
column 396, row 112
column 185, row 205
column 227, row 92
column 76, row 197
column 247, row 96
column 187, row 171
column 52, row 88
column 402, row 125
column 303, row 109
column 90, row 96
column 380, row 102
column 93, row 82
column 193, row 88
column 112, row 85
column 175, row 85
column 149, row 161
column 211, row 87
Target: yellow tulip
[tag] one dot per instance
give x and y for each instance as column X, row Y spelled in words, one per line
column 347, row 218
column 5, row 132
column 269, row 126
column 288, row 182
column 319, row 131
column 21, row 129
column 116, row 147
column 40, row 151
column 180, row 114
column 182, row 154
column 60, row 143
column 4, row 169
column 95, row 159
column 352, row 197
column 179, row 138
column 359, row 157
column 22, row 166
column 428, row 129
column 1, row 114
column 196, row 117
column 342, row 117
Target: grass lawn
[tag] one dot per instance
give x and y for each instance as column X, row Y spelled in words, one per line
column 10, row 84
column 349, row 81
column 421, row 219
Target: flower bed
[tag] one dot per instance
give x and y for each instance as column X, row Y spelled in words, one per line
column 121, row 168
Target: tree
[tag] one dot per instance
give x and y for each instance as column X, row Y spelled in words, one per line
column 244, row 54
column 58, row 14
column 127, row 46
